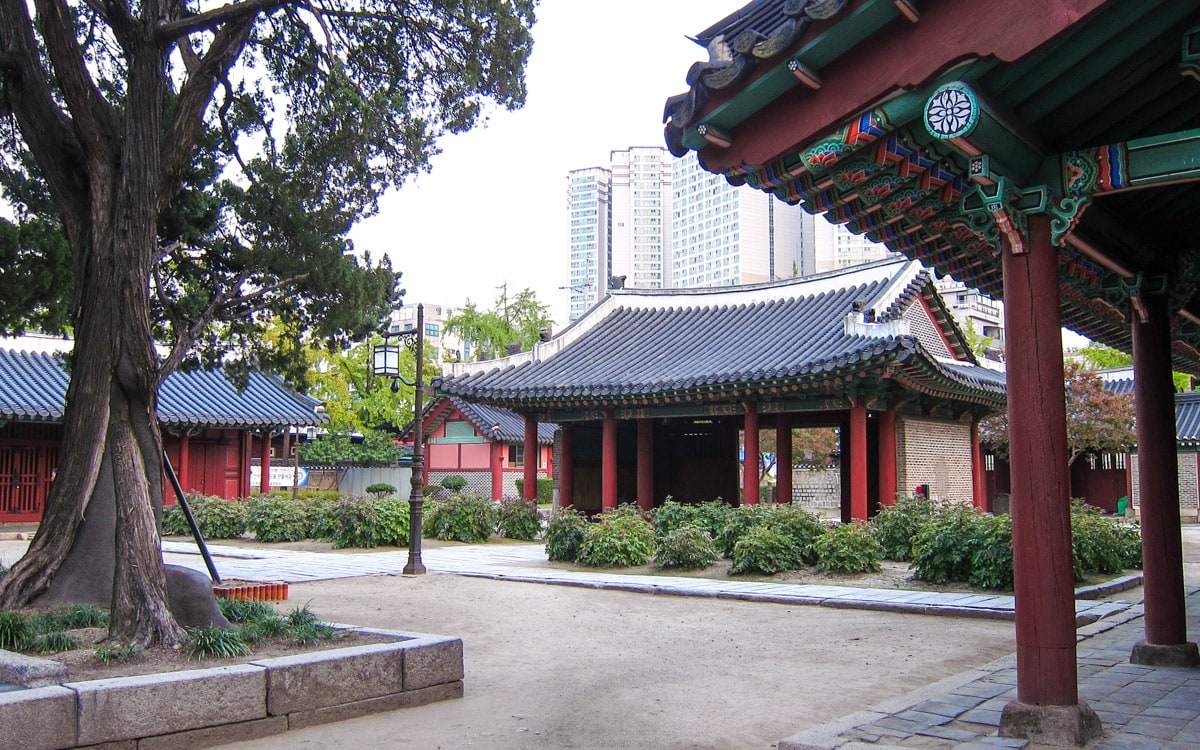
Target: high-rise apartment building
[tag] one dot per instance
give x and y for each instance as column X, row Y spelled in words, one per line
column 661, row 222
column 838, row 247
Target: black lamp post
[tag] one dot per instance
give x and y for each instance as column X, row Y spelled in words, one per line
column 386, row 363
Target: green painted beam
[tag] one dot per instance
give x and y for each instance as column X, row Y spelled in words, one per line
column 845, row 34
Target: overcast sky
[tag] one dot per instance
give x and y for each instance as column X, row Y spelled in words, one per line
column 493, row 210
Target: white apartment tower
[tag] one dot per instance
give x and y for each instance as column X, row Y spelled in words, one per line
column 590, row 218
column 838, row 247
column 671, row 224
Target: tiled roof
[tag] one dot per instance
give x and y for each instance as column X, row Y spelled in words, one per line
column 512, row 425
column 1187, row 417
column 33, row 387
column 640, row 343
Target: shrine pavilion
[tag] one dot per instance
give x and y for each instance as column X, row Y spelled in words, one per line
column 1046, row 152
column 657, row 391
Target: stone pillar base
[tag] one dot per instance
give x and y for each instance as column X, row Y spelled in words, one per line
column 1062, row 726
column 1165, row 655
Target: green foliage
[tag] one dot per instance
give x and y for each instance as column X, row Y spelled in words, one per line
column 15, row 632
column 945, row 546
column 380, row 489
column 216, row 517
column 392, row 521
column 454, row 483
column 803, row 528
column 275, row 518
column 375, row 449
column 743, row 519
column 760, row 549
column 1131, row 545
column 352, row 522
column 992, row 560
column 545, row 489
column 513, row 320
column 518, row 519
column 54, row 642
column 307, row 629
column 242, row 611
column 215, row 643
column 671, row 515
column 1099, row 543
column 712, row 516
column 622, row 538
column 70, row 617
column 687, row 547
column 123, row 653
column 847, row 548
column 564, row 534
column 463, row 518
column 896, row 526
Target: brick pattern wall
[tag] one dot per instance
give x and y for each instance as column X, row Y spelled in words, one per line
column 1189, row 485
column 817, row 488
column 937, row 453
column 925, row 331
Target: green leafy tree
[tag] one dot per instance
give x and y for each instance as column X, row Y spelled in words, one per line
column 203, row 163
column 1098, row 420
column 1103, row 357
column 513, row 320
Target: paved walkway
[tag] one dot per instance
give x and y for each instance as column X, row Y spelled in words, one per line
column 526, row 563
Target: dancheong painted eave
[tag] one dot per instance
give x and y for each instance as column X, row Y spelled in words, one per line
column 938, row 127
column 831, row 333
column 33, row 387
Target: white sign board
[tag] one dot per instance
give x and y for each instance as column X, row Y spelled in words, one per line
column 279, row 476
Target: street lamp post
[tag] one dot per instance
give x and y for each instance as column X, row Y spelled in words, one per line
column 386, row 363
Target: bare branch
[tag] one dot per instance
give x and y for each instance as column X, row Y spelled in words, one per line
column 232, row 13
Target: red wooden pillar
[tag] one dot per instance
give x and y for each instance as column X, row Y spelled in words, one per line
column 531, row 458
column 246, row 448
column 1041, row 487
column 645, row 464
column 751, row 459
column 783, row 458
column 264, row 476
column 858, row 461
column 185, row 460
column 608, row 463
column 566, row 471
column 978, row 484
column 887, row 457
column 496, row 467
column 1158, row 483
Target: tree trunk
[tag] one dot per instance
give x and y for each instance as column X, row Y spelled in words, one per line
column 112, row 447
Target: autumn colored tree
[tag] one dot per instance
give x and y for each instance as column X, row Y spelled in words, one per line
column 201, row 163
column 811, row 446
column 1098, row 420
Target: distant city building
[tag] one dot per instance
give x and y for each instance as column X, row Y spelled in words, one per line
column 838, row 247
column 439, row 345
column 975, row 312
column 650, row 221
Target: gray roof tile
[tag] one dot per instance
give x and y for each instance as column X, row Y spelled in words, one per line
column 33, row 387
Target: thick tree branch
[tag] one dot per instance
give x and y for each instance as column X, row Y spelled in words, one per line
column 211, row 20
column 91, row 113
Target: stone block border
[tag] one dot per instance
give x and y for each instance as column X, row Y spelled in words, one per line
column 205, row 707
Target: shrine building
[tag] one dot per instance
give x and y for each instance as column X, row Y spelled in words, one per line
column 658, row 392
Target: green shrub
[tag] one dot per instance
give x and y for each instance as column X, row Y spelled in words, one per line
column 687, row 547
column 518, row 519
column 896, row 526
column 430, row 490
column 319, row 517
column 564, row 534
column 380, row 489
column 464, row 518
column 760, row 549
column 431, row 516
column 218, row 518
column 805, row 529
column 54, row 642
column 392, row 527
column 306, row 628
column 622, row 538
column 15, row 632
column 276, row 518
column 992, row 561
column 944, row 548
column 545, row 489
column 739, row 522
column 847, row 548
column 215, row 643
column 241, row 611
column 352, row 522
column 174, row 522
column 70, row 617
column 1097, row 542
column 672, row 515
column 454, row 483
column 1131, row 545
column 713, row 516
column 123, row 653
